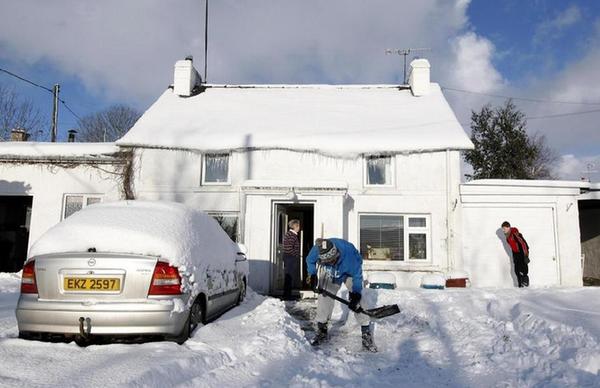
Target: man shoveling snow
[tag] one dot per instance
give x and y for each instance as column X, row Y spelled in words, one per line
column 330, row 263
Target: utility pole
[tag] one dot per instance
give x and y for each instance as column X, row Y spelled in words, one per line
column 404, row 53
column 205, row 39
column 55, row 92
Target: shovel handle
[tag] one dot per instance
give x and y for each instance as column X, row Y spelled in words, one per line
column 341, row 300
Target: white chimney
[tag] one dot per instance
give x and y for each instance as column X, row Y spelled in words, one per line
column 418, row 78
column 185, row 78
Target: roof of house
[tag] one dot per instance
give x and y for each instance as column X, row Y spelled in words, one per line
column 346, row 120
column 45, row 151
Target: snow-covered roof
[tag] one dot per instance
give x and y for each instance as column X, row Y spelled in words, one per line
column 17, row 150
column 176, row 233
column 346, row 120
column 529, row 183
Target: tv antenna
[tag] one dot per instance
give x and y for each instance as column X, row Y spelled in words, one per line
column 589, row 170
column 205, row 38
column 404, row 53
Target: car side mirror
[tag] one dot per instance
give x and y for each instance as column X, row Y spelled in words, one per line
column 242, row 249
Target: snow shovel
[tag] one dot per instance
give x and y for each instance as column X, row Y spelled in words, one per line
column 378, row 312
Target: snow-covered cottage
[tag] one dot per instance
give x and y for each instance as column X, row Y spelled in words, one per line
column 378, row 165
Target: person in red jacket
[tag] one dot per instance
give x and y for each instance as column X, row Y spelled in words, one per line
column 520, row 252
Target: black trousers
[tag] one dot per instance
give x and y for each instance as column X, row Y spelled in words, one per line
column 290, row 269
column 521, row 269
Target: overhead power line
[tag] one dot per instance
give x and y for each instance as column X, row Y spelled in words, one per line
column 54, row 93
column 26, row 80
column 521, row 98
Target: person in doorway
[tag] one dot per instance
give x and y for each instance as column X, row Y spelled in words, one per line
column 291, row 257
column 520, row 252
column 330, row 263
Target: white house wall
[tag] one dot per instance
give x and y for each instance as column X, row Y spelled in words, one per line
column 549, row 220
column 48, row 184
column 423, row 183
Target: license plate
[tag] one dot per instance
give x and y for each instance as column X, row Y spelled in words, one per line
column 92, row 284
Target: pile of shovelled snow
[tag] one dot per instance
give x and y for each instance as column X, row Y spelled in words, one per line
column 176, row 233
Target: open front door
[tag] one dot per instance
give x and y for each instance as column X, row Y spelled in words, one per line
column 282, row 214
column 280, row 228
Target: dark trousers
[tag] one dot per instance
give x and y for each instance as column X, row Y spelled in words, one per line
column 290, row 270
column 521, row 269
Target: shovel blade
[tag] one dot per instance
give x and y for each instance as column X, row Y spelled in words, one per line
column 382, row 312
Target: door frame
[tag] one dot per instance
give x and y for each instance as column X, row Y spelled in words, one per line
column 273, row 230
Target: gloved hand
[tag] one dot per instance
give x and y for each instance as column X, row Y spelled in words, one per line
column 354, row 301
column 314, row 283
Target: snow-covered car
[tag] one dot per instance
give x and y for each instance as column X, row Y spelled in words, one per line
column 130, row 268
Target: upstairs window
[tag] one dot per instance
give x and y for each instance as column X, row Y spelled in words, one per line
column 75, row 202
column 216, row 169
column 378, row 170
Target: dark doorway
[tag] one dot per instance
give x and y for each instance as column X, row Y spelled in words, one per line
column 589, row 226
column 15, row 213
column 283, row 213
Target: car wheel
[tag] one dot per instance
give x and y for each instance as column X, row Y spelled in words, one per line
column 242, row 294
column 195, row 317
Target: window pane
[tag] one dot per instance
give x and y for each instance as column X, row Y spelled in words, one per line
column 217, row 168
column 229, row 223
column 93, row 200
column 379, row 171
column 417, row 245
column 382, row 237
column 420, row 222
column 73, row 203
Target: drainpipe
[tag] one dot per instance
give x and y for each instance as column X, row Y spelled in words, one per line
column 449, row 216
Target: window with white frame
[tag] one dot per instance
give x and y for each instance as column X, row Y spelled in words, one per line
column 75, row 202
column 229, row 222
column 394, row 237
column 378, row 170
column 215, row 169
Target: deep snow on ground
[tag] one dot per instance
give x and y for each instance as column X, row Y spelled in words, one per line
column 472, row 337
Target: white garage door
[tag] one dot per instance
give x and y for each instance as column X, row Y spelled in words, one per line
column 487, row 256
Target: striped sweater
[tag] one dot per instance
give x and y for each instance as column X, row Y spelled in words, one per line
column 291, row 244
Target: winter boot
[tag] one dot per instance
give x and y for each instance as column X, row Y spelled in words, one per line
column 367, row 339
column 321, row 336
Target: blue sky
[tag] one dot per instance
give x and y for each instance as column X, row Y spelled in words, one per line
column 122, row 52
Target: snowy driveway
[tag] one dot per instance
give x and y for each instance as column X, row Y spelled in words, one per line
column 544, row 337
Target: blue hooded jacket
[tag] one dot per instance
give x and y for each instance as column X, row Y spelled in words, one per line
column 348, row 264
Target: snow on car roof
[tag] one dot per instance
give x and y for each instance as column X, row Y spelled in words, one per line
column 178, row 234
column 339, row 120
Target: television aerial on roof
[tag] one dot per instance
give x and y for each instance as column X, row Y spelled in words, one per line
column 405, row 53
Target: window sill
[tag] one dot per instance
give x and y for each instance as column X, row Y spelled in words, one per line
column 400, row 265
column 216, row 184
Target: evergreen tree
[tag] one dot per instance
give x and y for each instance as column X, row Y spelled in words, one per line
column 503, row 150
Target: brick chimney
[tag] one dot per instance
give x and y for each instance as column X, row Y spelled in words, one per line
column 19, row 134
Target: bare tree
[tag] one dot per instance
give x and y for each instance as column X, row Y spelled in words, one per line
column 16, row 112
column 545, row 160
column 107, row 125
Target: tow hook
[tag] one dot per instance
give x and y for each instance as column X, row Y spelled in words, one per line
column 85, row 333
